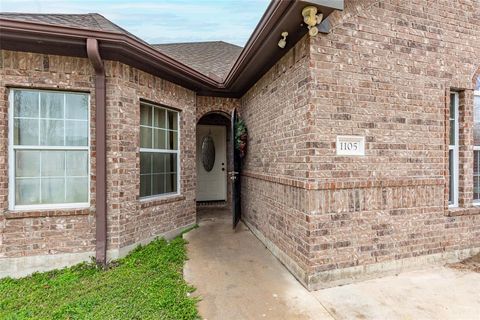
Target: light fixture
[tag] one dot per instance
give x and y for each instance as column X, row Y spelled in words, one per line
column 283, row 42
column 311, row 19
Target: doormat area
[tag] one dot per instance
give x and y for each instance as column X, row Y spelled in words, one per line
column 469, row 264
column 217, row 203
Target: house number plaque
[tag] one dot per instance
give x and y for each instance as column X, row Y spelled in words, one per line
column 350, row 146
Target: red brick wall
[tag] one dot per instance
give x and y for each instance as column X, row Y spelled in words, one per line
column 130, row 220
column 43, row 232
column 206, row 104
column 384, row 72
column 276, row 168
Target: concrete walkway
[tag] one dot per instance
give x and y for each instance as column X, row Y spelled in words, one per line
column 238, row 278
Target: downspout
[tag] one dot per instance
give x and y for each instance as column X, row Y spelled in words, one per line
column 101, row 163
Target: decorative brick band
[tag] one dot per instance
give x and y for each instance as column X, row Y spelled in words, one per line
column 146, row 203
column 336, row 185
column 457, row 212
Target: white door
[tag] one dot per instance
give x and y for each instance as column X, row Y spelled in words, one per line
column 212, row 184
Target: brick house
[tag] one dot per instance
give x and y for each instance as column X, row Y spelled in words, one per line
column 363, row 150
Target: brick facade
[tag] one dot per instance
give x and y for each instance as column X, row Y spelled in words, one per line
column 385, row 73
column 70, row 234
column 47, row 232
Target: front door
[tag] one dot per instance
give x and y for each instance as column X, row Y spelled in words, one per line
column 211, row 163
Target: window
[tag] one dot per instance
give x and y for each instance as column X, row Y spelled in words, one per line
column 49, row 149
column 159, row 165
column 476, row 143
column 453, row 151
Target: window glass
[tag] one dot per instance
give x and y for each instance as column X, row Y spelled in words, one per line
column 476, row 120
column 452, row 119
column 76, row 133
column 453, row 150
column 159, row 118
column 476, row 142
column 476, row 175
column 51, row 105
column 450, row 175
column 50, row 147
column 25, row 104
column 158, row 150
column 76, row 106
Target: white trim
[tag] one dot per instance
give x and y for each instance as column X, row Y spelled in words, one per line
column 11, row 154
column 53, row 148
column 158, row 150
column 11, row 158
column 455, row 176
column 162, row 196
column 56, row 119
column 158, row 197
column 178, row 153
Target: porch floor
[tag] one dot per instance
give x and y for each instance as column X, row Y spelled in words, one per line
column 238, row 278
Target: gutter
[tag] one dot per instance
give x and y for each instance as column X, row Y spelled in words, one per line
column 42, row 33
column 93, row 54
column 257, row 57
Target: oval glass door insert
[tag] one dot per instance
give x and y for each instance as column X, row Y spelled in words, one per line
column 208, row 153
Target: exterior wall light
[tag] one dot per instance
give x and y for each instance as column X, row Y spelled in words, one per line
column 311, row 19
column 283, row 42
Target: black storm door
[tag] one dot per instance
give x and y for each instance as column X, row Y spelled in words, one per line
column 235, row 174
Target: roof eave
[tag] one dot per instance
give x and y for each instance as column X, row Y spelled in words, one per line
column 261, row 51
column 257, row 57
column 44, row 38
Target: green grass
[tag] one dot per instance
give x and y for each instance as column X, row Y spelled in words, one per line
column 147, row 284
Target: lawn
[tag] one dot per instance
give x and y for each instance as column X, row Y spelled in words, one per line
column 147, row 284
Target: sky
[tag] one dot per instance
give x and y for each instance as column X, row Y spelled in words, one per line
column 163, row 21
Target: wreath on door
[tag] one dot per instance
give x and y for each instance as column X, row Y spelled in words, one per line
column 241, row 137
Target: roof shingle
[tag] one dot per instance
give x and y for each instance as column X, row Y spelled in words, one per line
column 214, row 59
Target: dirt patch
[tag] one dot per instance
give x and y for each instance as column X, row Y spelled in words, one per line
column 470, row 264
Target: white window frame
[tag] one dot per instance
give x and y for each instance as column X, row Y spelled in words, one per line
column 11, row 158
column 475, row 148
column 164, row 151
column 454, row 176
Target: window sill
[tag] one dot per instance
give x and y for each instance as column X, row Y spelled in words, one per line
column 156, row 201
column 457, row 212
column 17, row 214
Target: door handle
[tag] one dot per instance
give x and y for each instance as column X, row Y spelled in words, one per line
column 233, row 175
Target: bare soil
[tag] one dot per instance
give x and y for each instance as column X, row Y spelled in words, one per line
column 470, row 264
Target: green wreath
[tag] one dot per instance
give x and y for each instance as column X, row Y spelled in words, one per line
column 241, row 137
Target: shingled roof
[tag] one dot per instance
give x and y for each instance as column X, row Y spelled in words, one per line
column 213, row 59
column 88, row 21
column 212, row 68
column 91, row 21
